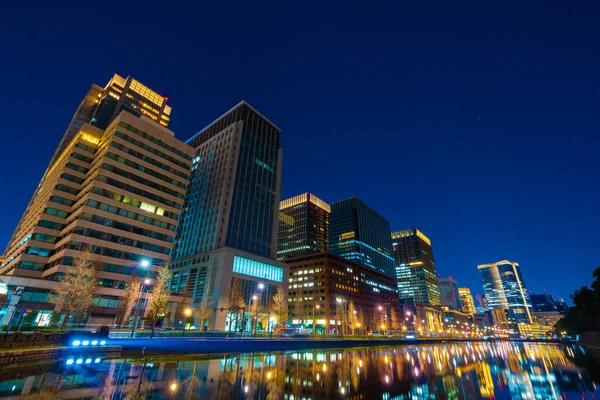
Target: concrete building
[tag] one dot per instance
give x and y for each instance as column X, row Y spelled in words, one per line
column 415, row 267
column 505, row 289
column 303, row 226
column 117, row 192
column 466, row 300
column 360, row 234
column 320, row 281
column 449, row 295
column 230, row 220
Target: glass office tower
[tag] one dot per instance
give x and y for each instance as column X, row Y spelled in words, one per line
column 358, row 233
column 228, row 230
column 466, row 300
column 415, row 267
column 303, row 226
column 449, row 295
column 505, row 289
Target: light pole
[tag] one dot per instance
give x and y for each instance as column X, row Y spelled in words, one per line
column 143, row 264
column 314, row 320
column 187, row 312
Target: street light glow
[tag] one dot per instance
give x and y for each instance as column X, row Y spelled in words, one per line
column 145, row 263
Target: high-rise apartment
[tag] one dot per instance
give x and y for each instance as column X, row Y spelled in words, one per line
column 449, row 293
column 415, row 267
column 466, row 300
column 117, row 192
column 505, row 289
column 228, row 229
column 360, row 234
column 303, row 226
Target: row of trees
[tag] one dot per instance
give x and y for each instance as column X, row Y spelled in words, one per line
column 584, row 316
column 77, row 289
column 351, row 319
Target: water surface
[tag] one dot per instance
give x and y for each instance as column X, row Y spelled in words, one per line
column 444, row 371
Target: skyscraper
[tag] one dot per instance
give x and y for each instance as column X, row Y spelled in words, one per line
column 100, row 106
column 303, row 226
column 358, row 233
column 415, row 267
column 229, row 224
column 505, row 289
column 449, row 293
column 117, row 192
column 466, row 300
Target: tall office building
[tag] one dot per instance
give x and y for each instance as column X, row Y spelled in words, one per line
column 449, row 293
column 542, row 302
column 100, row 106
column 117, row 192
column 415, row 267
column 466, row 300
column 358, row 233
column 303, row 226
column 505, row 289
column 229, row 224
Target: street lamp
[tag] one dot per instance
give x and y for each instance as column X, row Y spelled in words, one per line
column 143, row 264
column 314, row 319
column 187, row 312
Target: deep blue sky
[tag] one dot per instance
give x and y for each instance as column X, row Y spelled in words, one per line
column 476, row 122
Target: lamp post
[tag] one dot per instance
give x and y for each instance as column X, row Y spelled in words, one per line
column 314, row 320
column 143, row 264
column 187, row 312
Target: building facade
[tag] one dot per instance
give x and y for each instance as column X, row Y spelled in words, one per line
column 116, row 192
column 229, row 224
column 449, row 295
column 542, row 302
column 415, row 267
column 303, row 226
column 466, row 300
column 321, row 284
column 505, row 289
column 359, row 234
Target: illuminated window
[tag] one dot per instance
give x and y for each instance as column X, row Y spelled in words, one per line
column 259, row 269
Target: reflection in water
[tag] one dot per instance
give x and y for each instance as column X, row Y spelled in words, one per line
column 445, row 371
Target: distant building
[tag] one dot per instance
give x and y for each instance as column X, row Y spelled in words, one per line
column 228, row 233
column 303, row 226
column 449, row 295
column 415, row 267
column 466, row 300
column 319, row 281
column 481, row 302
column 361, row 235
column 505, row 289
column 542, row 302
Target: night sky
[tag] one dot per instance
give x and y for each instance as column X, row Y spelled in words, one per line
column 476, row 122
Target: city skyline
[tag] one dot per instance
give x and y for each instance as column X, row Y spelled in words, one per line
column 466, row 114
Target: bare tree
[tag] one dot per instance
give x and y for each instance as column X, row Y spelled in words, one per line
column 126, row 303
column 352, row 316
column 75, row 292
column 236, row 301
column 159, row 297
column 298, row 310
column 279, row 307
column 340, row 316
column 205, row 309
column 256, row 310
column 394, row 320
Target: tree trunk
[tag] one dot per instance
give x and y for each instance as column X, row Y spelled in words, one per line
column 64, row 321
column 153, row 325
